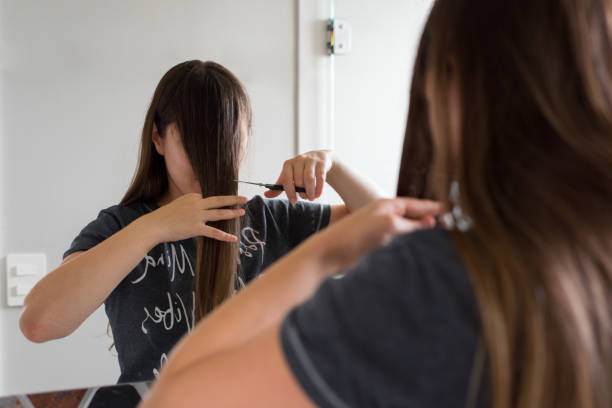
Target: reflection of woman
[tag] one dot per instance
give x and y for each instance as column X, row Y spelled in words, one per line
column 193, row 141
column 512, row 312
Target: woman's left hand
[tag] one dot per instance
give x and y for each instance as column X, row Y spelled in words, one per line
column 308, row 170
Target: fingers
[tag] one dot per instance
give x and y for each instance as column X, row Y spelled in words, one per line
column 279, row 181
column 298, row 175
column 415, row 208
column 272, row 193
column 217, row 215
column 288, row 182
column 305, row 170
column 320, row 179
column 222, row 201
column 310, row 181
column 217, row 234
column 428, row 222
column 403, row 225
column 404, row 215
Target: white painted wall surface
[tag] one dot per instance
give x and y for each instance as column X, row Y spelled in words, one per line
column 372, row 84
column 75, row 81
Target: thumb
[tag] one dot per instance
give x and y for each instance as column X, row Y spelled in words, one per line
column 275, row 193
column 272, row 193
column 406, row 225
column 417, row 208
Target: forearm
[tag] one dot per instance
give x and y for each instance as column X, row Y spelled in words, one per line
column 262, row 304
column 64, row 298
column 354, row 189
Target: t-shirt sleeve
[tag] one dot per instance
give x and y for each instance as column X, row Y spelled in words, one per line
column 95, row 232
column 299, row 221
column 306, row 219
column 392, row 332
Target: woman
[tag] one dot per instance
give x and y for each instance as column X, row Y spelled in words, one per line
column 510, row 310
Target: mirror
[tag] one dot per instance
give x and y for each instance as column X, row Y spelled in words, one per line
column 77, row 78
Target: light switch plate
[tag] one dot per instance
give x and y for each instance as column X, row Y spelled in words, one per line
column 22, row 272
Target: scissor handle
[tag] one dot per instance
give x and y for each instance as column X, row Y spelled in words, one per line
column 278, row 187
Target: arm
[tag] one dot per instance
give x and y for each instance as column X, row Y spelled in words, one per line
column 311, row 169
column 64, row 298
column 295, row 277
column 354, row 189
column 257, row 368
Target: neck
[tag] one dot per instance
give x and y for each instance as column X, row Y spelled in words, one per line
column 171, row 193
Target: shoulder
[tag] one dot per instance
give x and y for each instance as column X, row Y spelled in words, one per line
column 108, row 222
column 114, row 218
column 423, row 265
column 432, row 248
column 122, row 215
column 413, row 298
column 260, row 210
column 276, row 205
column 423, row 242
column 259, row 203
column 297, row 221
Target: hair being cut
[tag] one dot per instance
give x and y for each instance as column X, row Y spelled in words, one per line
column 209, row 106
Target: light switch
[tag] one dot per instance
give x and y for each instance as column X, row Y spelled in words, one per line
column 22, row 289
column 26, row 270
column 23, row 271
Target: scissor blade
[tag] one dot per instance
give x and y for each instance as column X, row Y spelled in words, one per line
column 250, row 182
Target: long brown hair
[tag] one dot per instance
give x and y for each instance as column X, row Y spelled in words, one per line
column 209, row 106
column 415, row 165
column 533, row 160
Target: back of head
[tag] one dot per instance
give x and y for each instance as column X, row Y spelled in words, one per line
column 528, row 139
column 211, row 110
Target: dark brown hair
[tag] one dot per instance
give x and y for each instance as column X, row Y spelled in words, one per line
column 415, row 165
column 533, row 162
column 209, row 106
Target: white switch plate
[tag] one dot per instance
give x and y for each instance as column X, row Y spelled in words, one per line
column 343, row 33
column 22, row 273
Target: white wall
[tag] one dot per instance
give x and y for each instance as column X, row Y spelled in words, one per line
column 372, row 84
column 313, row 66
column 76, row 78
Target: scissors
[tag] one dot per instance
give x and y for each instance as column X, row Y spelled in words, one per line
column 277, row 187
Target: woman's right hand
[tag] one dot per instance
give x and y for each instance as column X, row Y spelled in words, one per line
column 186, row 217
column 372, row 226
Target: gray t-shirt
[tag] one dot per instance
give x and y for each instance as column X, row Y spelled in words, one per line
column 399, row 330
column 153, row 307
